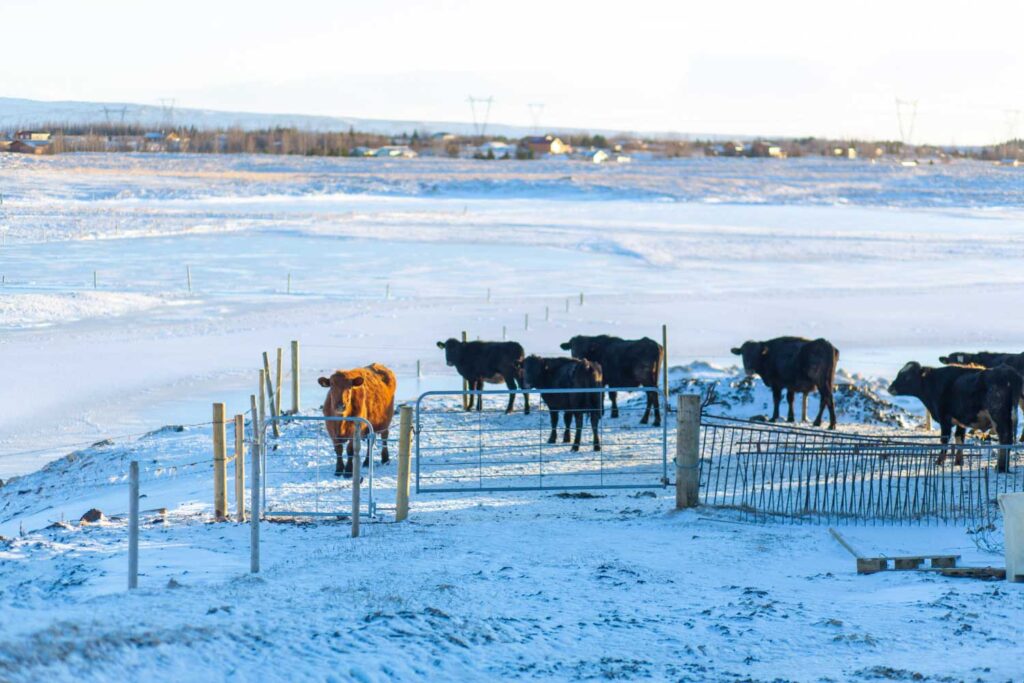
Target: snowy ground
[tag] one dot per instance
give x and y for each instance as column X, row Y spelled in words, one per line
column 891, row 264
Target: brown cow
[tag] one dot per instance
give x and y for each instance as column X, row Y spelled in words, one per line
column 361, row 392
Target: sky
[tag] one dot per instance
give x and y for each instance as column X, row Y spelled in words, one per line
column 782, row 68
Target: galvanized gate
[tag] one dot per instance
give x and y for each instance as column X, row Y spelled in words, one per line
column 459, row 450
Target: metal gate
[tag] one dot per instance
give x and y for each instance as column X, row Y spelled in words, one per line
column 298, row 469
column 459, row 450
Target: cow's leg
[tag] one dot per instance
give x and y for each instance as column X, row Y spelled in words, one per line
column 821, row 409
column 568, row 420
column 578, row 416
column 647, row 408
column 526, row 398
column 554, row 427
column 384, row 457
column 615, row 406
column 470, row 384
column 958, row 450
column 831, row 409
column 790, row 395
column 776, row 400
column 595, row 423
column 511, row 384
column 945, row 429
column 653, row 396
column 339, row 451
column 479, row 397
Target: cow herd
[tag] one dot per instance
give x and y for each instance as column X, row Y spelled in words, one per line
column 972, row 390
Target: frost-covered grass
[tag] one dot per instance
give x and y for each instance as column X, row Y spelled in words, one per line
column 536, row 585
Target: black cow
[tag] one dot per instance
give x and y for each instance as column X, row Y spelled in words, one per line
column 492, row 362
column 624, row 363
column 988, row 359
column 568, row 373
column 797, row 365
column 965, row 397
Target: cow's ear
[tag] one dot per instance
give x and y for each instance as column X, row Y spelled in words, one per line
column 565, row 346
column 737, row 351
column 440, row 345
column 323, row 381
column 357, row 381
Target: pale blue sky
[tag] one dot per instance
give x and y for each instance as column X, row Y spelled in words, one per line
column 782, row 68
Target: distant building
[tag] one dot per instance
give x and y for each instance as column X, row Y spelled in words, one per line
column 495, row 148
column 31, row 147
column 762, row 148
column 594, row 156
column 32, row 136
column 844, row 152
column 546, row 144
column 725, row 149
column 394, row 151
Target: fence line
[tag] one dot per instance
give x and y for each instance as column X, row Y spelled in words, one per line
column 807, row 475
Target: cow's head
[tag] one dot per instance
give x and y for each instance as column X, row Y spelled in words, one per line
column 452, row 348
column 753, row 353
column 956, row 358
column 339, row 386
column 579, row 346
column 535, row 369
column 908, row 381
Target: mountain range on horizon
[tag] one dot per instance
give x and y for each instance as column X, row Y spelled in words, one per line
column 24, row 113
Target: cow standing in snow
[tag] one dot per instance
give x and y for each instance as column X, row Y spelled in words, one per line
column 624, row 363
column 368, row 393
column 568, row 373
column 988, row 360
column 796, row 365
column 965, row 397
column 491, row 362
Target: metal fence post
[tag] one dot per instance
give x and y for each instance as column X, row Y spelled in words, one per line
column 664, row 365
column 278, row 381
column 133, row 525
column 220, row 467
column 467, row 400
column 687, row 451
column 357, row 464
column 254, row 512
column 404, row 457
column 240, row 467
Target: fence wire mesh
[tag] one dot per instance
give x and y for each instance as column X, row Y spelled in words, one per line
column 817, row 476
column 459, row 450
column 298, row 471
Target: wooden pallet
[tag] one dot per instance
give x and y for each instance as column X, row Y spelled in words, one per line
column 871, row 565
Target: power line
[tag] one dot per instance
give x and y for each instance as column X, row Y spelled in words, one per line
column 906, row 127
column 536, row 110
column 480, row 122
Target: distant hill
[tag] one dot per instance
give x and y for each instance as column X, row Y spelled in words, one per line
column 19, row 113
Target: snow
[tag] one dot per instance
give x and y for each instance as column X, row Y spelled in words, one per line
column 891, row 264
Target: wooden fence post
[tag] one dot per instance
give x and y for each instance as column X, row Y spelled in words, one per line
column 547, row 313
column 254, row 513
column 270, row 394
column 295, row 377
column 526, row 321
column 262, row 391
column 581, row 298
column 289, row 290
column 220, row 468
column 357, row 464
column 133, row 525
column 419, row 369
column 404, row 458
column 687, row 451
column 278, row 381
column 467, row 400
column 567, row 305
column 188, row 277
column 240, row 467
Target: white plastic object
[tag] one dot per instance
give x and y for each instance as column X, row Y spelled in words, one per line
column 1012, row 506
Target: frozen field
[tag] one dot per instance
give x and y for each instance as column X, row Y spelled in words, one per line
column 890, row 263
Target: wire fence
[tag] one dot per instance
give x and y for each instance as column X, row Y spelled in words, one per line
column 464, row 451
column 817, row 476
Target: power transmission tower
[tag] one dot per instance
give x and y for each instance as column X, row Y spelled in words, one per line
column 110, row 112
column 536, row 110
column 480, row 123
column 167, row 110
column 906, row 127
